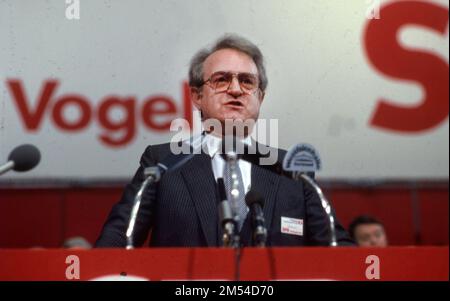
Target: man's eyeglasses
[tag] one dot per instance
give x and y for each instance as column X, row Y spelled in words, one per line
column 220, row 81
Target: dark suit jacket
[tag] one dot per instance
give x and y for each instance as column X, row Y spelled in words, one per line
column 183, row 209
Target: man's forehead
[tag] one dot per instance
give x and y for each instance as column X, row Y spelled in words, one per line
column 229, row 60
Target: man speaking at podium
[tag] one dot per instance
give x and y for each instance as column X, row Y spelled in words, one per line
column 227, row 82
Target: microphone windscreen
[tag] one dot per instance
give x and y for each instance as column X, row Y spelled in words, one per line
column 252, row 197
column 25, row 157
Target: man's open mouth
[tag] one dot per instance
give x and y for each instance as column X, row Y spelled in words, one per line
column 234, row 103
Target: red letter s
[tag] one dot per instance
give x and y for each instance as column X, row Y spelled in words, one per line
column 387, row 55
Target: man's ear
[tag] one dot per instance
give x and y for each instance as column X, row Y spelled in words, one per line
column 261, row 96
column 196, row 96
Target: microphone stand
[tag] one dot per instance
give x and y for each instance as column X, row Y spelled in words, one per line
column 325, row 204
column 152, row 176
column 260, row 232
column 232, row 158
column 230, row 236
column 6, row 167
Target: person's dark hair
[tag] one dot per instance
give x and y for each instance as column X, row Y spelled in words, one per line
column 362, row 220
column 229, row 41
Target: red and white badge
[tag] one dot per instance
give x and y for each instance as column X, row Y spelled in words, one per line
column 293, row 226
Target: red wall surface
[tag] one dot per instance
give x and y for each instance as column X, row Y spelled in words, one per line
column 45, row 217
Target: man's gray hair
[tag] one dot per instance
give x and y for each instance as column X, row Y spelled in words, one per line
column 228, row 41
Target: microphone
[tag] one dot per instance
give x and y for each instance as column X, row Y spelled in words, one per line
column 152, row 175
column 256, row 202
column 231, row 147
column 300, row 160
column 22, row 158
column 229, row 238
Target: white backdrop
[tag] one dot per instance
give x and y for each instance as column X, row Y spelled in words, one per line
column 322, row 87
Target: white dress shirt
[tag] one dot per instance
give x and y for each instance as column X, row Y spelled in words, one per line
column 212, row 147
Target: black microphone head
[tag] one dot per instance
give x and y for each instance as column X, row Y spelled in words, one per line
column 254, row 197
column 25, row 157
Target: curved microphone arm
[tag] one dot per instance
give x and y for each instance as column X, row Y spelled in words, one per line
column 153, row 175
column 325, row 204
column 7, row 167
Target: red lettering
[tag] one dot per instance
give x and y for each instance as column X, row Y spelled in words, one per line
column 157, row 112
column 63, row 103
column 32, row 120
column 153, row 108
column 127, row 123
column 427, row 69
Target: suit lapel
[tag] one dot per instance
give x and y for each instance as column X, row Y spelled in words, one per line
column 199, row 179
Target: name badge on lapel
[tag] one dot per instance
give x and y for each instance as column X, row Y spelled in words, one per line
column 293, row 226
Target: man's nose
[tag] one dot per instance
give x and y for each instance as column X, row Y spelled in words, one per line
column 235, row 88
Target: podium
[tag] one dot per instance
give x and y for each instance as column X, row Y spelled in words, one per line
column 256, row 264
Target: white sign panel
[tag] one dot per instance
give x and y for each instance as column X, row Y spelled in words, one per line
column 92, row 83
